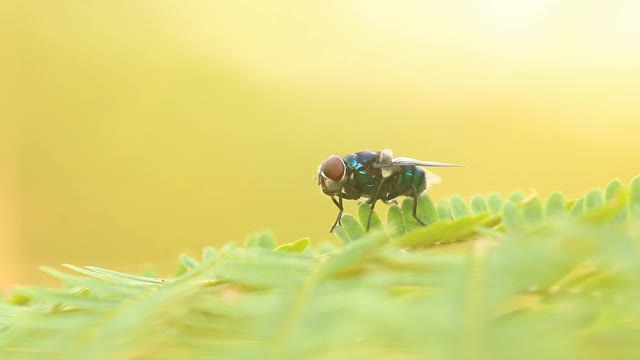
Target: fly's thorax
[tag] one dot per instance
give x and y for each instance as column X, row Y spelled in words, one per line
column 362, row 177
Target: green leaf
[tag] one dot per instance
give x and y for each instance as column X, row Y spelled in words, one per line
column 353, row 254
column 350, row 230
column 517, row 196
column 208, row 254
column 511, row 216
column 494, row 202
column 342, row 235
column 443, row 232
column 464, row 288
column 613, row 190
column 634, row 198
column 578, row 208
column 615, row 194
column 426, row 209
column 229, row 247
column 444, row 209
column 478, row 204
column 19, row 299
column 325, row 248
column 410, row 223
column 298, row 246
column 593, row 200
column 458, row 207
column 532, row 210
column 284, row 248
column 395, row 221
column 113, row 276
column 70, row 298
column 555, row 206
column 189, row 262
column 264, row 240
column 363, row 213
column 125, row 286
column 181, row 270
column 117, row 274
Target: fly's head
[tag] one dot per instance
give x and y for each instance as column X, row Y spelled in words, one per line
column 331, row 175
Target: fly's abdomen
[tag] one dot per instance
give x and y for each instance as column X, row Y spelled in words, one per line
column 402, row 182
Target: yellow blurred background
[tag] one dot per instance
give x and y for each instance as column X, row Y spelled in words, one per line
column 131, row 131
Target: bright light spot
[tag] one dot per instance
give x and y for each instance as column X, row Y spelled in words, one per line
column 516, row 9
column 514, row 20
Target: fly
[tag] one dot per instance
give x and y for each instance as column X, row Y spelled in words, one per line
column 375, row 175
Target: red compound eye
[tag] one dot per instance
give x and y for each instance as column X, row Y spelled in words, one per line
column 333, row 168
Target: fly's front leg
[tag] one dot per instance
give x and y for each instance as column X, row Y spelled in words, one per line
column 339, row 205
column 415, row 206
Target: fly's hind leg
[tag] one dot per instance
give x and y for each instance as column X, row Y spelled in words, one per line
column 415, row 206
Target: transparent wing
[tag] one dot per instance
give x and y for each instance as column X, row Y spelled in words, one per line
column 432, row 179
column 414, row 162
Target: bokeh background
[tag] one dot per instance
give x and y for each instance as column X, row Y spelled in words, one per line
column 132, row 131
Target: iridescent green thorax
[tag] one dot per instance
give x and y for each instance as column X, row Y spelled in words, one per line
column 363, row 178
